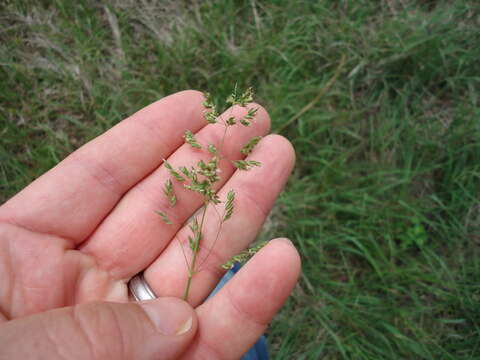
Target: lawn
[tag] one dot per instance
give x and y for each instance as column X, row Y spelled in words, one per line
column 379, row 98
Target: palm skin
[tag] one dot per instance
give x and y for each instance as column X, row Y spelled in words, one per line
column 81, row 231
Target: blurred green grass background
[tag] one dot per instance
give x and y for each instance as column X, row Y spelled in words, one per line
column 380, row 99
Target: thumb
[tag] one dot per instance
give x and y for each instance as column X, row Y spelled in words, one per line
column 156, row 329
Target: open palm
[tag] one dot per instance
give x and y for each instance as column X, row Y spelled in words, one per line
column 81, row 231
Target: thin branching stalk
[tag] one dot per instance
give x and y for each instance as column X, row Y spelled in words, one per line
column 191, row 270
column 203, row 177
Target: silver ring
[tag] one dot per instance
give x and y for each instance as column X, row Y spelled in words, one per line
column 139, row 288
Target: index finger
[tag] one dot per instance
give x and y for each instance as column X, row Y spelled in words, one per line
column 73, row 198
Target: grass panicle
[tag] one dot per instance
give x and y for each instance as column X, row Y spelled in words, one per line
column 202, row 177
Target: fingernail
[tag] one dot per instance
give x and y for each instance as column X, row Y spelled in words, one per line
column 170, row 316
column 185, row 327
column 287, row 241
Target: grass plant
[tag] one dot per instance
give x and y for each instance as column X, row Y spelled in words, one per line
column 202, row 178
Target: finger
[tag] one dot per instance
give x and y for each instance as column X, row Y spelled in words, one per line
column 233, row 320
column 256, row 191
column 85, row 186
column 159, row 328
column 133, row 235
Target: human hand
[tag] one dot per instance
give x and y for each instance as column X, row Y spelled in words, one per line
column 71, row 241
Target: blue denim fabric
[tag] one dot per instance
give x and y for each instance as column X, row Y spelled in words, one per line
column 258, row 351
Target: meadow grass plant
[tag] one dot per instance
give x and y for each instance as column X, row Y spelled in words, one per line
column 201, row 179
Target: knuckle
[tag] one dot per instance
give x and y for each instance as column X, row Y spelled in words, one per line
column 99, row 328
